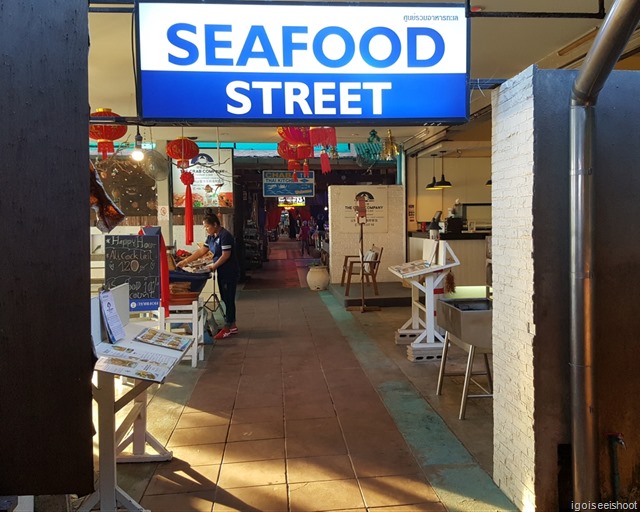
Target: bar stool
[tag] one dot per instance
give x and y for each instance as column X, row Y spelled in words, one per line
column 194, row 314
column 472, row 350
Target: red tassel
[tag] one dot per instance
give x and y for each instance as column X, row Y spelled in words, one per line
column 305, row 169
column 295, row 177
column 105, row 147
column 188, row 216
column 325, row 164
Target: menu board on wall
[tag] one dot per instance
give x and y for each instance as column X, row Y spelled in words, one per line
column 212, row 180
column 134, row 259
column 376, row 203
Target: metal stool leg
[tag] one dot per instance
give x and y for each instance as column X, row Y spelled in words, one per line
column 443, row 362
column 467, row 379
column 489, row 376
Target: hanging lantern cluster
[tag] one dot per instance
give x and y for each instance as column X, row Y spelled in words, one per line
column 183, row 150
column 298, row 142
column 324, row 136
column 295, row 147
column 294, row 154
column 105, row 134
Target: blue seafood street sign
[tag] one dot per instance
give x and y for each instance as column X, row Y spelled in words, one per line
column 276, row 62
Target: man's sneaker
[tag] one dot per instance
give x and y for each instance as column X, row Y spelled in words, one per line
column 233, row 330
column 222, row 333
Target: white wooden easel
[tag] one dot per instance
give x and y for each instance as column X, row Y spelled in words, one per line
column 111, row 437
column 420, row 329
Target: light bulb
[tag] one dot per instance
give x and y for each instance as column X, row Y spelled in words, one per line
column 137, row 154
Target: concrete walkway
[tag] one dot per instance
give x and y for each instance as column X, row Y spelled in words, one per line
column 311, row 408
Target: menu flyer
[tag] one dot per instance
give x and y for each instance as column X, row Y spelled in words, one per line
column 125, row 359
column 412, row 268
column 164, row 339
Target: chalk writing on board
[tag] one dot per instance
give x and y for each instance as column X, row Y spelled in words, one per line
column 134, row 259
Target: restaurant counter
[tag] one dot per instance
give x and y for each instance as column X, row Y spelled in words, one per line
column 470, row 248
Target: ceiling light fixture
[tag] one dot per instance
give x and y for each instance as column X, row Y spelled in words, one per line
column 433, row 184
column 138, row 153
column 443, row 183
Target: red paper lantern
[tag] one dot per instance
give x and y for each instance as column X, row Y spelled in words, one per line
column 322, row 136
column 105, row 134
column 294, row 135
column 182, row 150
column 290, row 154
column 304, row 151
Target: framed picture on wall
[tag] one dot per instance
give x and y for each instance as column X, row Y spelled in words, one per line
column 212, row 186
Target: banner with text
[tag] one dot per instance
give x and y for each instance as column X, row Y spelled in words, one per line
column 377, row 208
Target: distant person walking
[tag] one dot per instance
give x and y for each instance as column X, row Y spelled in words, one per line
column 292, row 225
column 304, row 238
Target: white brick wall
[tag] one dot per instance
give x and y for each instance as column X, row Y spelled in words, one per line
column 512, row 194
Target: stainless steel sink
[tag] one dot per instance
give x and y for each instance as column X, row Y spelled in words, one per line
column 469, row 320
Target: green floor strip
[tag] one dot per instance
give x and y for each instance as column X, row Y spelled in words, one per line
column 460, row 483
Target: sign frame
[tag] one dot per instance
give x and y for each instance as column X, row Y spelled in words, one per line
column 436, row 96
column 140, row 252
column 280, row 183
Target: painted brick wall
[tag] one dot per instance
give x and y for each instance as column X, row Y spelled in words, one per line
column 513, row 327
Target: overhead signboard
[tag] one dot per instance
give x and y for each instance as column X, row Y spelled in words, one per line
column 274, row 62
column 281, row 183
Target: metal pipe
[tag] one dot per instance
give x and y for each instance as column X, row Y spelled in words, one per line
column 599, row 62
column 615, row 439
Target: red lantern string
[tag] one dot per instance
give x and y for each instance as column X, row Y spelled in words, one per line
column 105, row 134
column 287, row 151
column 322, row 136
column 294, row 135
column 305, row 168
column 304, row 151
column 183, row 150
column 187, row 178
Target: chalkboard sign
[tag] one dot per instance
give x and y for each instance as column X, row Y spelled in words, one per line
column 134, row 259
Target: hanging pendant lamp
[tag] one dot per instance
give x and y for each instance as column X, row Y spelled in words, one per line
column 433, row 184
column 443, row 183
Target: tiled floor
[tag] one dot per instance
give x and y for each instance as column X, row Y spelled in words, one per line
column 313, row 408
